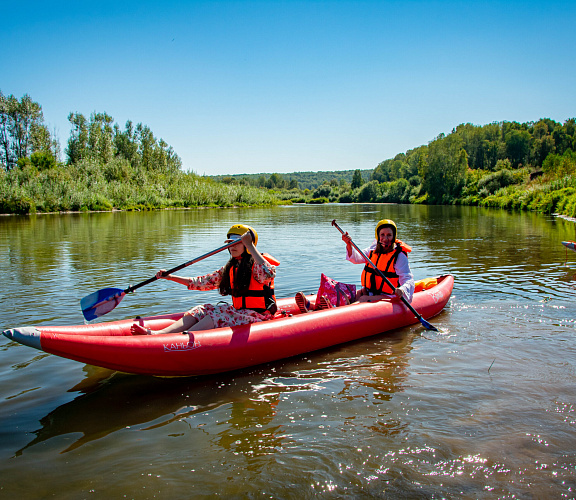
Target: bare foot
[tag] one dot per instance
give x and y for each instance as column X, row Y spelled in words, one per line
column 137, row 329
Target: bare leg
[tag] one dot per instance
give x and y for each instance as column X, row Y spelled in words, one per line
column 374, row 298
column 183, row 324
column 205, row 323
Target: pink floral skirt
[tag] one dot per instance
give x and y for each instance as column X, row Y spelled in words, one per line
column 224, row 315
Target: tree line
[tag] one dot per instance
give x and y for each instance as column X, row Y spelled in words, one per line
column 23, row 132
column 449, row 168
column 296, row 180
column 99, row 138
column 528, row 165
column 106, row 167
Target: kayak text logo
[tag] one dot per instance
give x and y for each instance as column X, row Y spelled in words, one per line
column 181, row 346
column 437, row 296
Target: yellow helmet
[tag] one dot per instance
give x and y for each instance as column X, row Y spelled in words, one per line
column 241, row 229
column 386, row 222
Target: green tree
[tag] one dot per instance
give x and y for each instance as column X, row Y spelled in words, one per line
column 558, row 166
column 495, row 180
column 40, row 160
column 42, row 141
column 562, row 141
column 21, row 123
column 102, row 141
column 541, row 148
column 517, row 146
column 277, row 181
column 146, row 141
column 357, row 179
column 125, row 142
column 444, row 173
column 101, row 137
column 28, row 116
column 398, row 167
column 6, row 110
column 381, row 172
column 78, row 142
column 368, row 192
column 322, row 191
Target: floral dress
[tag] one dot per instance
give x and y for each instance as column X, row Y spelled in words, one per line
column 226, row 314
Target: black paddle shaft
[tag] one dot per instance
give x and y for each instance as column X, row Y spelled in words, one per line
column 381, row 274
column 182, row 266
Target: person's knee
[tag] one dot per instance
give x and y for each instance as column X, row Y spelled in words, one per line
column 205, row 323
column 188, row 321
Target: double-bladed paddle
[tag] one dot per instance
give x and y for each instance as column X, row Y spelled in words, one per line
column 425, row 323
column 103, row 301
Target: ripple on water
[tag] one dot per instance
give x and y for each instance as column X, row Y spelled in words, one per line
column 482, row 408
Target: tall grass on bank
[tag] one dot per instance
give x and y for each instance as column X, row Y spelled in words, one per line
column 558, row 196
column 88, row 186
column 552, row 192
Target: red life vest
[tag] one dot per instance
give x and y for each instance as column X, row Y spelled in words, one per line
column 385, row 262
column 258, row 297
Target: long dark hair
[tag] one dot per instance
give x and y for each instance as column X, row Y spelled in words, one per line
column 243, row 274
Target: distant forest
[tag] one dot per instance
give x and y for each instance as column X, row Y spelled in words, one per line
column 299, row 180
column 511, row 165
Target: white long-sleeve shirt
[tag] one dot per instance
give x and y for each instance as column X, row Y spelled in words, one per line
column 402, row 269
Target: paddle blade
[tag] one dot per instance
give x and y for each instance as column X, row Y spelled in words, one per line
column 101, row 302
column 427, row 325
column 569, row 244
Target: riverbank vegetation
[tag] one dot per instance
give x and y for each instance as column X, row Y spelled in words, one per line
column 295, row 180
column 511, row 165
column 106, row 168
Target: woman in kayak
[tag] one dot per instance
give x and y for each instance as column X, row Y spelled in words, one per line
column 248, row 277
column 391, row 257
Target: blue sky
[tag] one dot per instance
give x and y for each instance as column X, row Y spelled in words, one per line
column 283, row 86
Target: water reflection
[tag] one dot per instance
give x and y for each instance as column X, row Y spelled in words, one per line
column 254, row 400
column 408, row 414
column 111, row 401
column 48, row 262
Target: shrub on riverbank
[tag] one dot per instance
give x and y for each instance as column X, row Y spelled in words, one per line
column 106, row 168
column 88, row 186
column 546, row 198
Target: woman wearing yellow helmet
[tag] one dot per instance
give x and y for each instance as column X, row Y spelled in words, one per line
column 390, row 255
column 248, row 277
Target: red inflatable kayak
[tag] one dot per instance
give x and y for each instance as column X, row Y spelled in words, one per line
column 290, row 333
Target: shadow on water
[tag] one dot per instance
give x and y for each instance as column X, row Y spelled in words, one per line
column 111, row 401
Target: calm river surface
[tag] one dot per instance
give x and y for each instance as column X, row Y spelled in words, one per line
column 485, row 408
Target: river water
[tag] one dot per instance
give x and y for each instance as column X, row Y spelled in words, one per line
column 484, row 408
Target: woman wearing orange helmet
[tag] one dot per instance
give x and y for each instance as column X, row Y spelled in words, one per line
column 248, row 277
column 390, row 255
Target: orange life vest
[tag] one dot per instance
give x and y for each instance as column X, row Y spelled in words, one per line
column 258, row 297
column 385, row 262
